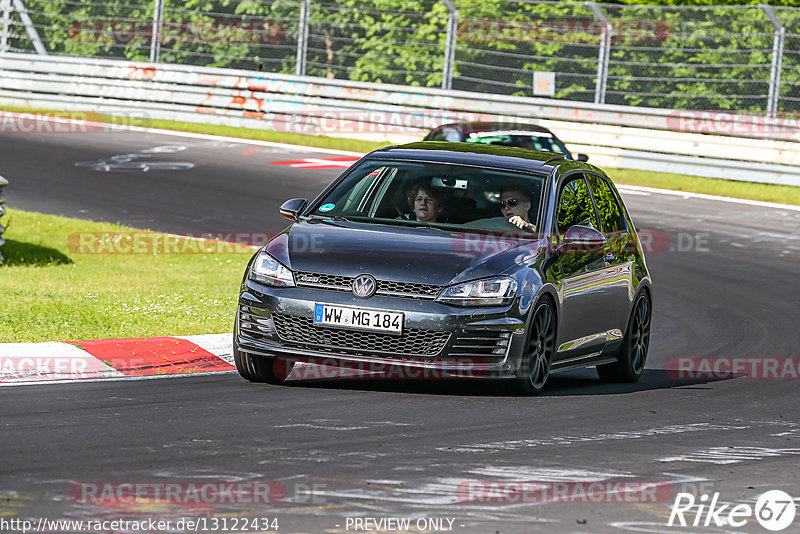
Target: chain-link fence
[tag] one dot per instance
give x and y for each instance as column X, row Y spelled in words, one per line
column 744, row 59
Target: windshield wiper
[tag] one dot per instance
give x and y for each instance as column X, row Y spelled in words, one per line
column 329, row 218
column 431, row 228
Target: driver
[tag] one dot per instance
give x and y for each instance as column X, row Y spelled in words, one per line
column 515, row 205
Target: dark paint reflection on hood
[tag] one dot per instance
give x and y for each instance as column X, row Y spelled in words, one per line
column 400, row 253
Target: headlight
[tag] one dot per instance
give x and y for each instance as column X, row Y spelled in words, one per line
column 267, row 270
column 487, row 292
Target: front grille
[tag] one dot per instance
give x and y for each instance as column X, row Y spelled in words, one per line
column 386, row 288
column 483, row 345
column 300, row 332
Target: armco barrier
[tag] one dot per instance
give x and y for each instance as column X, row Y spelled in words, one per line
column 614, row 136
column 3, row 183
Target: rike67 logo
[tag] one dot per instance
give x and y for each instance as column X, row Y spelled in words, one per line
column 774, row 510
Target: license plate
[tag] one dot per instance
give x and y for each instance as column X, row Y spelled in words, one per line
column 358, row 319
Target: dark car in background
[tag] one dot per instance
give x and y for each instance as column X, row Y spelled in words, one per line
column 364, row 277
column 528, row 136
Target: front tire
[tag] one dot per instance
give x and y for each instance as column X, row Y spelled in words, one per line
column 261, row 369
column 535, row 367
column 633, row 354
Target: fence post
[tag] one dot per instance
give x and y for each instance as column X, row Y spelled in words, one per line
column 30, row 28
column 158, row 24
column 5, row 7
column 605, row 52
column 450, row 45
column 3, row 183
column 777, row 61
column 302, row 38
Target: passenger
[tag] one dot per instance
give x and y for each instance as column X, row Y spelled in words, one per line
column 515, row 205
column 428, row 202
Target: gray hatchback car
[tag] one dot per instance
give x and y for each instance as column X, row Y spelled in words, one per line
column 437, row 259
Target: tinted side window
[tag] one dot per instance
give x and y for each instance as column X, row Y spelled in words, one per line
column 608, row 210
column 452, row 134
column 575, row 206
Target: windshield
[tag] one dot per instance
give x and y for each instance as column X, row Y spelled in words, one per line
column 531, row 140
column 434, row 195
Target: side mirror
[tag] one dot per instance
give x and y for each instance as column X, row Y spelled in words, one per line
column 583, row 157
column 291, row 209
column 581, row 239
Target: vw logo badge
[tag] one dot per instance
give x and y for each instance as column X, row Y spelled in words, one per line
column 364, row 286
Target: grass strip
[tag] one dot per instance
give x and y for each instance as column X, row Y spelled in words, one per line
column 69, row 279
column 782, row 194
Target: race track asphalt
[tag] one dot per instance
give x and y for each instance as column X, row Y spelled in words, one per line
column 726, row 281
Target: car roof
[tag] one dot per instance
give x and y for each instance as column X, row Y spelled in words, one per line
column 501, row 157
column 491, row 126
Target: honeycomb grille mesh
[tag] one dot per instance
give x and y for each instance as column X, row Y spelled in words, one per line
column 300, row 332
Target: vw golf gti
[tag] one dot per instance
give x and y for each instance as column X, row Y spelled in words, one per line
column 452, row 260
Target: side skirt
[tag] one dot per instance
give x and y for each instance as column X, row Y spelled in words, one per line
column 579, row 362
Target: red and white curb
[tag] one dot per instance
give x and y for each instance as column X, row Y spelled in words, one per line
column 56, row 362
column 25, row 363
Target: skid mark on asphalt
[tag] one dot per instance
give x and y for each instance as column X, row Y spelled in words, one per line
column 546, row 473
column 501, row 446
column 730, row 455
column 139, row 162
column 440, row 495
column 341, row 426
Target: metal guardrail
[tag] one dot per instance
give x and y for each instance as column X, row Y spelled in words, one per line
column 3, row 183
column 614, row 136
column 702, row 57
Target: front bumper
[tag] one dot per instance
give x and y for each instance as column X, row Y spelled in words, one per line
column 450, row 341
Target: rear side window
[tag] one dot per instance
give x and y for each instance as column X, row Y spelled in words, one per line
column 445, row 134
column 608, row 210
column 575, row 206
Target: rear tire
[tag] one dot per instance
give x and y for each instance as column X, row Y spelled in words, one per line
column 633, row 354
column 535, row 367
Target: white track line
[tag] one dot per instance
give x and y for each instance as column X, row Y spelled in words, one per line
column 209, row 137
column 686, row 194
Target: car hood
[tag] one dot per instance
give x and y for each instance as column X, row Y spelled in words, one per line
column 401, row 253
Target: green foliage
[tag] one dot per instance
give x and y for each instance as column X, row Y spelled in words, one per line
column 667, row 54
